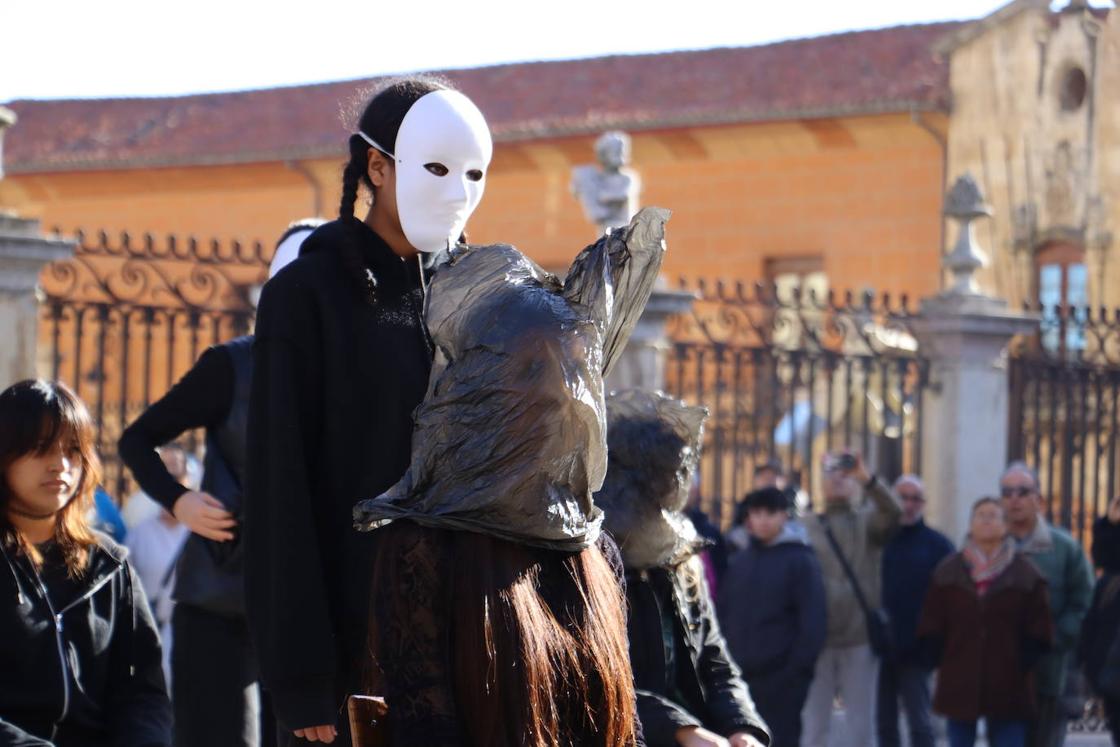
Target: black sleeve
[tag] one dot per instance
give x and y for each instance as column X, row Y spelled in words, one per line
column 1106, row 544
column 662, row 717
column 140, row 709
column 286, row 603
column 809, row 597
column 13, row 736
column 201, row 398
column 728, row 699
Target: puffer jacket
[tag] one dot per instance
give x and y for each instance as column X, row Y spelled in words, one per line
column 772, row 606
column 86, row 674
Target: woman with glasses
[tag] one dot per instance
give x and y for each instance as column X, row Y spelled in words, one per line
column 986, row 622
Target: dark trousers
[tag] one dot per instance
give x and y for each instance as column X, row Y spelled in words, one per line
column 779, row 697
column 1000, row 733
column 1112, row 712
column 214, row 690
column 909, row 684
column 1050, row 725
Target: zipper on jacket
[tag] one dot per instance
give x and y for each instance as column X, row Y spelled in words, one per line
column 58, row 633
column 63, row 668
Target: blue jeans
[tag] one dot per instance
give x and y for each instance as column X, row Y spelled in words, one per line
column 910, row 685
column 1000, row 733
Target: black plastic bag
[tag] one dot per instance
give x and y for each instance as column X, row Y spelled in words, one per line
column 654, row 448
column 511, row 437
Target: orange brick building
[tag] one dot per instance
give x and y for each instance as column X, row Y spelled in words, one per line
column 820, row 157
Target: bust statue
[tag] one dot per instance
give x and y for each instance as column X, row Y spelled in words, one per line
column 609, row 190
column 7, row 119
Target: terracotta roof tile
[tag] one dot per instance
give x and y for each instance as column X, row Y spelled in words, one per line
column 866, row 71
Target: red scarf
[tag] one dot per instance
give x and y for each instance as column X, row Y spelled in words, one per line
column 985, row 569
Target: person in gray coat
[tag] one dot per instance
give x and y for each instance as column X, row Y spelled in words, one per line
column 862, row 515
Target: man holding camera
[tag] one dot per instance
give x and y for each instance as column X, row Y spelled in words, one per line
column 859, row 518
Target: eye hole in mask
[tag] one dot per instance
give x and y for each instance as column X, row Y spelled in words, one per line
column 475, row 175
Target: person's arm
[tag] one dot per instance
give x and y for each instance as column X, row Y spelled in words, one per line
column 1038, row 636
column 932, row 626
column 411, row 619
column 201, row 398
column 809, row 598
column 728, row 699
column 886, row 511
column 1079, row 595
column 13, row 736
column 661, row 718
column 140, row 711
column 287, row 610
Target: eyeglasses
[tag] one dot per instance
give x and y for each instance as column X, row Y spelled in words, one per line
column 1020, row 491
column 911, row 497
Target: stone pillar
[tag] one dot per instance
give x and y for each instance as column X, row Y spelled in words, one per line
column 23, row 253
column 643, row 361
column 964, row 334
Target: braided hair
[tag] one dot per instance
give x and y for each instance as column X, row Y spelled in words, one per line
column 381, row 120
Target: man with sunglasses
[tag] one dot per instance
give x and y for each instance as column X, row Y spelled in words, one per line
column 909, row 560
column 1070, row 581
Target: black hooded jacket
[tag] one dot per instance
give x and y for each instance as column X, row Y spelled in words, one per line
column 79, row 660
column 335, row 382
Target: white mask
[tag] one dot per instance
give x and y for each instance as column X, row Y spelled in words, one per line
column 287, row 251
column 443, row 128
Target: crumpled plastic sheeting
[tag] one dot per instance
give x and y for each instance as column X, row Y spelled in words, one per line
column 511, row 437
column 654, row 446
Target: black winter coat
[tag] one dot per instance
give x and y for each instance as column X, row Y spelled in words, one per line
column 909, row 560
column 84, row 672
column 706, row 680
column 335, row 382
column 1099, row 645
column 772, row 607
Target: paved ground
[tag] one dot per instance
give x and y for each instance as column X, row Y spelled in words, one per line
column 1074, row 740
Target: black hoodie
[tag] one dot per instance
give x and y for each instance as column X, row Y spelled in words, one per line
column 79, row 660
column 335, row 382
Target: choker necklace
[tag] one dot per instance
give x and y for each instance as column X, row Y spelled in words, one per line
column 29, row 515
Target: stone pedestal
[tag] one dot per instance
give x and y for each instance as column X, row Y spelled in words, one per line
column 642, row 364
column 965, row 409
column 23, row 253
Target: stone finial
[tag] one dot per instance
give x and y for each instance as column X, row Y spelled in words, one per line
column 7, row 119
column 964, row 204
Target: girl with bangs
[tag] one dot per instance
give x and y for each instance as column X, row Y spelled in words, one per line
column 79, row 652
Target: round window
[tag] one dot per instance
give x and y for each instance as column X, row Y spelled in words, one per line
column 1072, row 89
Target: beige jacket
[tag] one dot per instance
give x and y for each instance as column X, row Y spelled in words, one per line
column 861, row 530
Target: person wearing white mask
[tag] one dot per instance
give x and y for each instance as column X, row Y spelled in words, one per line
column 341, row 360
column 214, row 672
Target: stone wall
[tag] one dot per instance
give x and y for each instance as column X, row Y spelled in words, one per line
column 1046, row 153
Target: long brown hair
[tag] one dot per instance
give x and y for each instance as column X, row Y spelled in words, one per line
column 35, row 415
column 539, row 646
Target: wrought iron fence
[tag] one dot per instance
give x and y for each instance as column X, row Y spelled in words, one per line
column 791, row 377
column 1065, row 410
column 122, row 320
